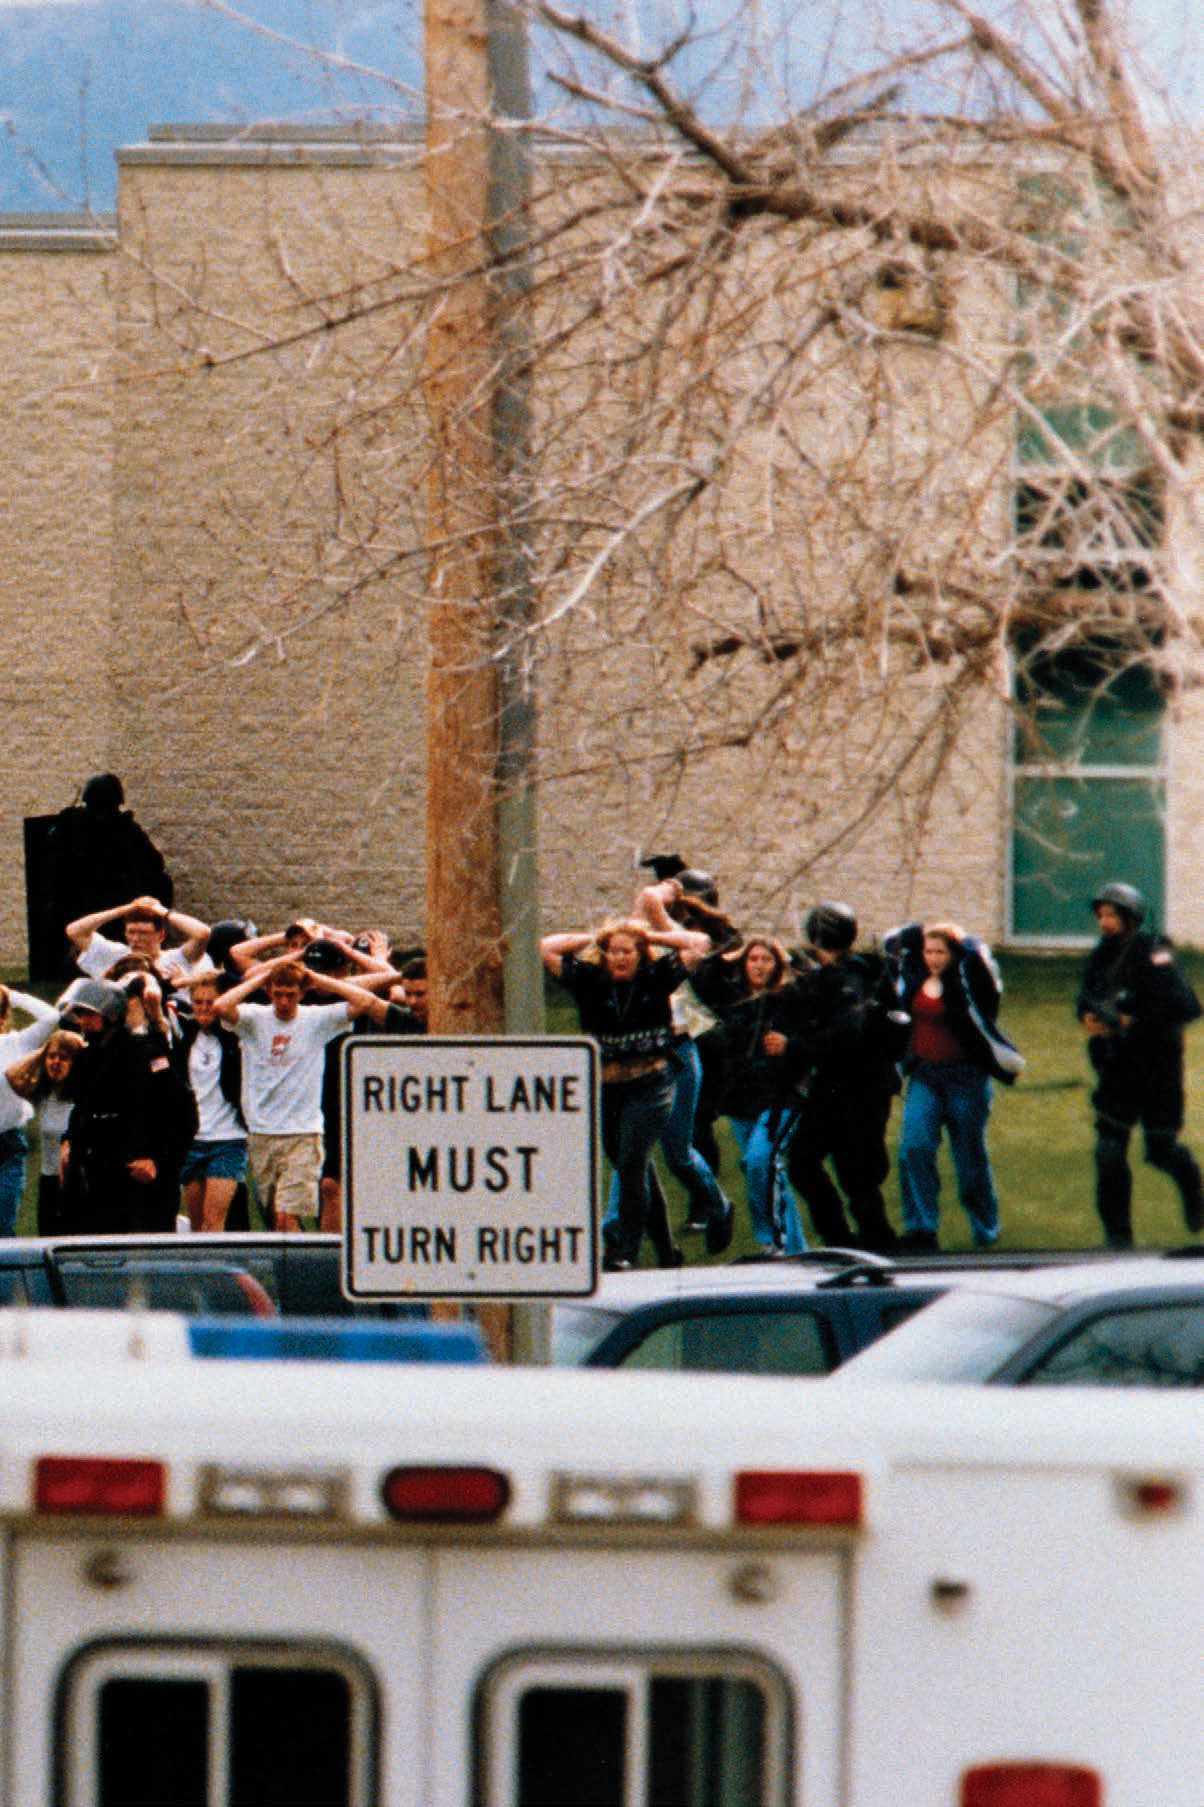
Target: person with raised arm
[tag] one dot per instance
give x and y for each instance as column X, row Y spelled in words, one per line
column 283, row 1049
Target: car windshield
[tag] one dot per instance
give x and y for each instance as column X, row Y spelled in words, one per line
column 964, row 1336
column 188, row 1286
column 577, row 1330
column 1146, row 1346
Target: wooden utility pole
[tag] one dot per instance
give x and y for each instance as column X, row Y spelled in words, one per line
column 481, row 918
column 463, row 914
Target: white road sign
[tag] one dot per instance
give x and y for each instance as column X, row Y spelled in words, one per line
column 469, row 1166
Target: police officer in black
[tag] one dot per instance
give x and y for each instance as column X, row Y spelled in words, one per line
column 1134, row 1004
column 838, row 1045
column 119, row 1146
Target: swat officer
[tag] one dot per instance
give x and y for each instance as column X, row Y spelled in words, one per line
column 838, row 1044
column 1134, row 1004
column 115, row 1169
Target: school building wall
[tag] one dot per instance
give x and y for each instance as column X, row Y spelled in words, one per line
column 57, row 313
column 188, row 600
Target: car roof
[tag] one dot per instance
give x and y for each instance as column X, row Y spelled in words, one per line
column 170, row 1241
column 991, row 1328
column 831, row 1268
column 1174, row 1271
column 656, row 1286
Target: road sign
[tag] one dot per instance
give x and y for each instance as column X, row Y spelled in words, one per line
column 470, row 1166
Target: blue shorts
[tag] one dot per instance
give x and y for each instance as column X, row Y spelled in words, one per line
column 215, row 1161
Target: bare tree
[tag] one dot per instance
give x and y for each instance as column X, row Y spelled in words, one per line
column 853, row 323
column 852, row 391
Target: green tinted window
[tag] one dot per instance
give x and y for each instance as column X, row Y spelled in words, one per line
column 1084, row 427
column 1071, row 835
column 738, row 1342
column 1093, row 720
column 1081, row 710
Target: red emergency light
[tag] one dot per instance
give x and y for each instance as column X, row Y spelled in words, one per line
column 775, row 1496
column 113, row 1486
column 446, row 1495
column 1031, row 1785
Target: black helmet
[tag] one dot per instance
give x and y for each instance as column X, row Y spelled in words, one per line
column 324, row 956
column 227, row 934
column 101, row 995
column 831, row 926
column 664, row 865
column 697, row 883
column 1126, row 898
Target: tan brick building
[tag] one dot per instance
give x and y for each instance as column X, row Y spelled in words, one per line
column 57, row 315
column 214, row 586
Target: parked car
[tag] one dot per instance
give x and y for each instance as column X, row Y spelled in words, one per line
column 1137, row 1321
column 244, row 1273
column 799, row 1316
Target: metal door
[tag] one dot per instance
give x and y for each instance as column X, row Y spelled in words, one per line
column 701, row 1640
column 109, row 1633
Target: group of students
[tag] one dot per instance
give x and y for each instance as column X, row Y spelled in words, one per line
column 165, row 1074
column 804, row 1053
column 801, row 1052
column 188, row 1056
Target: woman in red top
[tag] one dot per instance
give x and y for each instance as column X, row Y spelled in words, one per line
column 950, row 984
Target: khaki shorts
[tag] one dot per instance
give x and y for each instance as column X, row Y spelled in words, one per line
column 286, row 1171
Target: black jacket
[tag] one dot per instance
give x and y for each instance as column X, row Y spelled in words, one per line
column 754, row 1081
column 230, row 1071
column 1137, row 978
column 842, row 1038
column 972, row 990
column 629, row 1020
column 99, row 857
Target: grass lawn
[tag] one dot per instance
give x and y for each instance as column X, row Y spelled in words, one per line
column 1040, row 1135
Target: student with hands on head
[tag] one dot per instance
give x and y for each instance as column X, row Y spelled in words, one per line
column 145, row 924
column 367, row 952
column 283, row 1049
column 621, row 976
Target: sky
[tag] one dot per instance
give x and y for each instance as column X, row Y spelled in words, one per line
column 80, row 77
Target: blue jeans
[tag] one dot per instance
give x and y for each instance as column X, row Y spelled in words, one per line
column 633, row 1121
column 771, row 1206
column 13, row 1148
column 954, row 1096
column 681, row 1157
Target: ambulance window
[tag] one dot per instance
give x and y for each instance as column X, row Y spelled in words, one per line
column 154, row 1743
column 315, row 1707
column 570, row 1747
column 653, row 1730
column 215, row 1726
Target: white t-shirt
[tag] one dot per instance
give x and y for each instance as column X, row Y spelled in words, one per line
column 217, row 1118
column 100, row 954
column 282, row 1066
column 53, row 1116
column 179, row 970
column 15, row 1112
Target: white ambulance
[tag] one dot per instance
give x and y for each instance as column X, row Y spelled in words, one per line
column 271, row 1582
